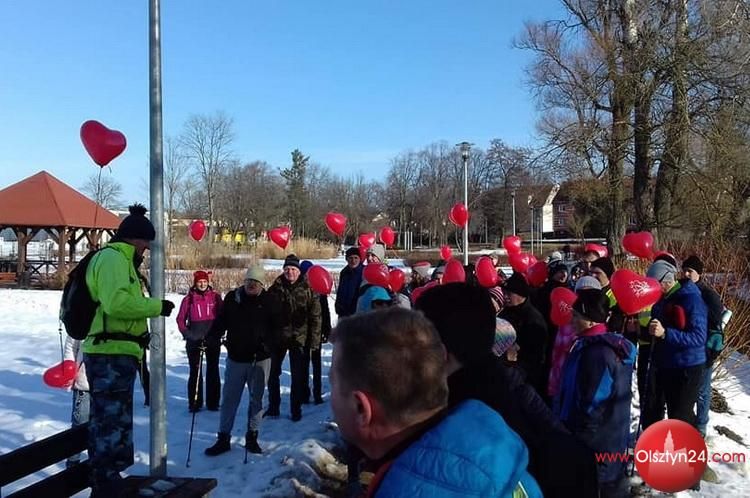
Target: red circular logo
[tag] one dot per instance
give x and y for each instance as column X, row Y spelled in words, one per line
column 671, row 456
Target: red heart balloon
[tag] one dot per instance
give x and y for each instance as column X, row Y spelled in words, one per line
column 520, row 262
column 446, row 252
column 336, row 223
column 387, row 236
column 640, row 244
column 396, row 279
column 377, row 274
column 419, row 290
column 61, row 375
column 366, row 240
column 454, row 272
column 362, row 252
column 597, row 248
column 486, row 272
column 320, row 280
column 512, row 244
column 634, row 292
column 280, row 236
column 537, row 274
column 561, row 311
column 101, row 143
column 197, row 229
column 459, row 215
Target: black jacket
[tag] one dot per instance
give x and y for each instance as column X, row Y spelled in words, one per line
column 248, row 322
column 531, row 337
column 561, row 465
column 297, row 310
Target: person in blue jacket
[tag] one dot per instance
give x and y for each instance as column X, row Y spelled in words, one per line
column 679, row 324
column 594, row 397
column 389, row 397
column 350, row 279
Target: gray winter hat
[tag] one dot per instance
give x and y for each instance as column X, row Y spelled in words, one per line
column 377, row 250
column 256, row 273
column 660, row 270
column 588, row 282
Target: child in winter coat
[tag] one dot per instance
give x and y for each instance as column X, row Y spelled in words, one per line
column 80, row 389
column 198, row 311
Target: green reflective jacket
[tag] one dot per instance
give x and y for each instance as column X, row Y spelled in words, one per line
column 113, row 281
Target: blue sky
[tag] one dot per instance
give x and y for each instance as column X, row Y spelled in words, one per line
column 350, row 83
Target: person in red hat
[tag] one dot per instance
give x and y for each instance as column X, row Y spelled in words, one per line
column 198, row 311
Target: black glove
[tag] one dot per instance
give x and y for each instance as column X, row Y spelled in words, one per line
column 166, row 307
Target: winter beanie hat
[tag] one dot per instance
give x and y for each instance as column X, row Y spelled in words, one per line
column 463, row 316
column 557, row 266
column 292, row 260
column 587, row 282
column 660, row 270
column 505, row 336
column 694, row 263
column 422, row 268
column 304, row 266
column 665, row 256
column 497, row 296
column 377, row 250
column 517, row 284
column 437, row 272
column 256, row 273
column 199, row 275
column 352, row 251
column 593, row 305
column 136, row 225
column 604, row 264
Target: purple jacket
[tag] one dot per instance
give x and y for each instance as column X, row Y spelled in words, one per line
column 197, row 313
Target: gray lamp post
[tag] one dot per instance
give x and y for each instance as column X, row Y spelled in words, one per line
column 465, row 147
column 513, row 209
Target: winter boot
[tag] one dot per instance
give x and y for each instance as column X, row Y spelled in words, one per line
column 222, row 445
column 251, row 442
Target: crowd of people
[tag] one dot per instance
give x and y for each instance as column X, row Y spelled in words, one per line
column 493, row 398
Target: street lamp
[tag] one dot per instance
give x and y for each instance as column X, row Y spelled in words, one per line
column 513, row 209
column 465, row 147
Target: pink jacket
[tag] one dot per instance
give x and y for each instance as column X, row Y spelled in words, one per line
column 566, row 336
column 197, row 312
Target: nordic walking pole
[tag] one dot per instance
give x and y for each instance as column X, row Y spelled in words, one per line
column 252, row 372
column 643, row 401
column 195, row 400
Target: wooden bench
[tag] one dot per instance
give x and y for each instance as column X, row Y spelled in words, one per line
column 7, row 277
column 36, row 456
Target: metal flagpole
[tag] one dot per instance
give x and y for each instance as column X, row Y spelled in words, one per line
column 158, row 408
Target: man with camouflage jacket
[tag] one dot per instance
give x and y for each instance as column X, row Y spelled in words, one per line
column 297, row 327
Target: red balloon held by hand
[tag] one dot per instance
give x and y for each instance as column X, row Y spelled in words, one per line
column 512, row 244
column 419, row 290
column 601, row 250
column 446, row 252
column 336, row 223
column 387, row 236
column 640, row 244
column 486, row 272
column 396, row 279
column 280, row 236
column 102, row 144
column 454, row 272
column 561, row 310
column 366, row 240
column 197, row 229
column 537, row 274
column 520, row 262
column 459, row 215
column 633, row 292
column 320, row 280
column 61, row 375
column 377, row 274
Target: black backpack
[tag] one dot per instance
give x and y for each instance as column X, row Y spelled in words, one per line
column 77, row 307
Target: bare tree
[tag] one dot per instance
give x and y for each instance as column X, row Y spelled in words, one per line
column 206, row 141
column 176, row 166
column 103, row 189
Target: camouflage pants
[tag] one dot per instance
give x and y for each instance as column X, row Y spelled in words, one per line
column 111, row 379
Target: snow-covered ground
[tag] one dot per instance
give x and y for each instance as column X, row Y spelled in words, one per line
column 29, row 411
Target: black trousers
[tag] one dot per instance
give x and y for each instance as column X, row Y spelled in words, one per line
column 297, row 364
column 195, row 380
column 317, row 369
column 678, row 389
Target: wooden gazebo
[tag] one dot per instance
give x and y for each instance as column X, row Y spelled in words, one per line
column 42, row 202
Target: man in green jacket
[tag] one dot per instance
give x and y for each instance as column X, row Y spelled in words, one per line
column 297, row 310
column 114, row 346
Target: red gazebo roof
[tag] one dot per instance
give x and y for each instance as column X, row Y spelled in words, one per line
column 43, row 201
